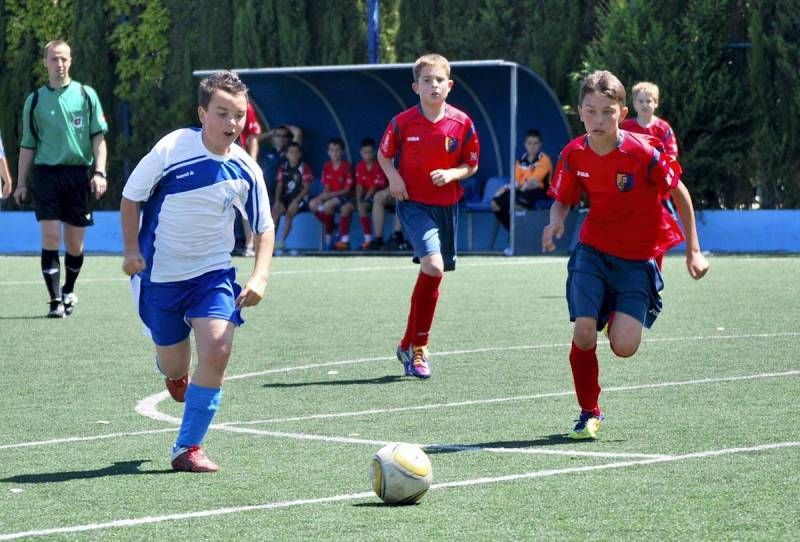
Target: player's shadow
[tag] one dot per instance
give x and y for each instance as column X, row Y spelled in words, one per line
column 549, row 440
column 119, row 468
column 388, row 379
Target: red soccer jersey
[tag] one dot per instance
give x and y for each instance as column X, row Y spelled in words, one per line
column 422, row 146
column 659, row 129
column 337, row 178
column 625, row 187
column 370, row 178
column 251, row 126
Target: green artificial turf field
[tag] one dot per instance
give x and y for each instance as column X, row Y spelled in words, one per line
column 700, row 440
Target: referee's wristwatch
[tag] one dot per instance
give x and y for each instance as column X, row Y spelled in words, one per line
column 98, row 173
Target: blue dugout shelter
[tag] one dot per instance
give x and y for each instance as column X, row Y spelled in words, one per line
column 503, row 98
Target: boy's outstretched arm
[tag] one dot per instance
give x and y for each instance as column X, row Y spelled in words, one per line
column 253, row 291
column 397, row 187
column 558, row 212
column 132, row 262
column 696, row 262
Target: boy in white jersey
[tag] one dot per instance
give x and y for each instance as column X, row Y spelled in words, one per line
column 179, row 256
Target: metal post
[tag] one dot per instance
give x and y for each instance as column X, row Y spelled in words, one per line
column 373, row 31
column 512, row 151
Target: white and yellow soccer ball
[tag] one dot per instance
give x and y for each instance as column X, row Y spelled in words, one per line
column 401, row 473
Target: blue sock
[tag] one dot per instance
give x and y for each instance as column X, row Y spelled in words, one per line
column 201, row 405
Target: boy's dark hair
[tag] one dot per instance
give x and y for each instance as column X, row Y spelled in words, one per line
column 222, row 80
column 367, row 142
column 336, row 141
column 294, row 144
column 533, row 132
column 605, row 83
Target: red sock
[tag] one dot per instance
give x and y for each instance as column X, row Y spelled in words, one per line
column 344, row 225
column 424, row 298
column 366, row 225
column 585, row 374
column 328, row 221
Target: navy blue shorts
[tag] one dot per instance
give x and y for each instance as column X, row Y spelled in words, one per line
column 166, row 307
column 599, row 284
column 430, row 229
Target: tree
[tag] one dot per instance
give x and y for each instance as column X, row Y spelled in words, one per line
column 293, row 32
column 686, row 53
column 338, row 31
column 774, row 59
column 247, row 47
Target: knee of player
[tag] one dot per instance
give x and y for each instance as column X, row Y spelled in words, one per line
column 584, row 336
column 622, row 348
column 432, row 266
column 217, row 351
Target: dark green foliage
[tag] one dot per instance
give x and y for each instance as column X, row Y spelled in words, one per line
column 702, row 96
column 338, row 31
column 293, row 31
column 774, row 64
column 247, row 47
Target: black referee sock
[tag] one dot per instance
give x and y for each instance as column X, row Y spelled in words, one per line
column 51, row 272
column 73, row 266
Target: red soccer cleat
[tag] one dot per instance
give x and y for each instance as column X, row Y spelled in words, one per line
column 192, row 459
column 177, row 388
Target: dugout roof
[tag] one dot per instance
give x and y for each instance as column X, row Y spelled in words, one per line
column 503, row 98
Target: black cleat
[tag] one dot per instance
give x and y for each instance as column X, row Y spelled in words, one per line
column 56, row 309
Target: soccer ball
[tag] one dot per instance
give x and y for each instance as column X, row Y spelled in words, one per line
column 401, row 473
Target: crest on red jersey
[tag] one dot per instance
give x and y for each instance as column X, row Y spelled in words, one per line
column 450, row 144
column 624, row 182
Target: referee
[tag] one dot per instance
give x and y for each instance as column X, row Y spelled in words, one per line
column 63, row 129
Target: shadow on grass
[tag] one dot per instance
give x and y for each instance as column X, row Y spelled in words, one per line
column 119, row 468
column 374, row 504
column 549, row 440
column 31, row 317
column 388, row 379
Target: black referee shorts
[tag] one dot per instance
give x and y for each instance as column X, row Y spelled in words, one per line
column 63, row 193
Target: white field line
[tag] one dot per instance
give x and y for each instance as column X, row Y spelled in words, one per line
column 508, row 349
column 147, row 520
column 148, row 407
column 431, row 406
column 539, row 260
column 66, row 440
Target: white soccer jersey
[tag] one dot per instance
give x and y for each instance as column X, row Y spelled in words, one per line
column 189, row 193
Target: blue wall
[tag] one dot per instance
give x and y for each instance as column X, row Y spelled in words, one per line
column 720, row 231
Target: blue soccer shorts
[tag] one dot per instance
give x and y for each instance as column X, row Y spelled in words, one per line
column 430, row 229
column 599, row 284
column 166, row 307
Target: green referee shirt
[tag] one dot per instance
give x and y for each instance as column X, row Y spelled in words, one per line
column 63, row 125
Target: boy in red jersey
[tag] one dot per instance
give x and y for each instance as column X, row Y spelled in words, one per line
column 435, row 146
column 612, row 273
column 645, row 102
column 337, row 180
column 370, row 179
